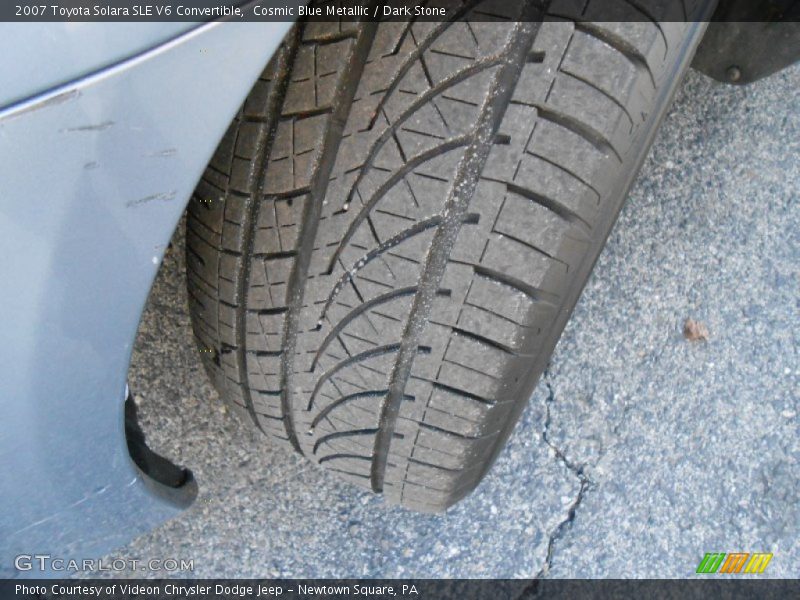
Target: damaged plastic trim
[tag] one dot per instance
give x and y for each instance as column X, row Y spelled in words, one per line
column 747, row 41
column 162, row 477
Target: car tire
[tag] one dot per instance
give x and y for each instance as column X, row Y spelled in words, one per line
column 391, row 236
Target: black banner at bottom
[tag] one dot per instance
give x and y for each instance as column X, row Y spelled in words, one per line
column 495, row 589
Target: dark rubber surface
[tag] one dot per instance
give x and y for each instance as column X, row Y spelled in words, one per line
column 393, row 233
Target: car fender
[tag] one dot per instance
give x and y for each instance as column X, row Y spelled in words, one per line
column 96, row 174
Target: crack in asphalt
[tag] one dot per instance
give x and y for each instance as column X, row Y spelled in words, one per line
column 586, row 484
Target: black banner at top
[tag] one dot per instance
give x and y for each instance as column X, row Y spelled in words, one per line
column 404, row 10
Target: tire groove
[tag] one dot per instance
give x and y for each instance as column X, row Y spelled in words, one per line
column 344, row 400
column 557, row 208
column 534, row 293
column 311, row 212
column 341, row 434
column 407, row 168
column 578, row 127
column 249, row 225
column 620, row 45
column 463, row 187
column 421, row 101
column 420, row 227
column 600, row 90
column 353, row 314
column 416, row 55
column 356, row 358
column 330, row 457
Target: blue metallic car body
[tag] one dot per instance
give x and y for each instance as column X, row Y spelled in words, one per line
column 95, row 174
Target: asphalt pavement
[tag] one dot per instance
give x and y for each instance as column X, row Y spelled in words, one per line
column 640, row 450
